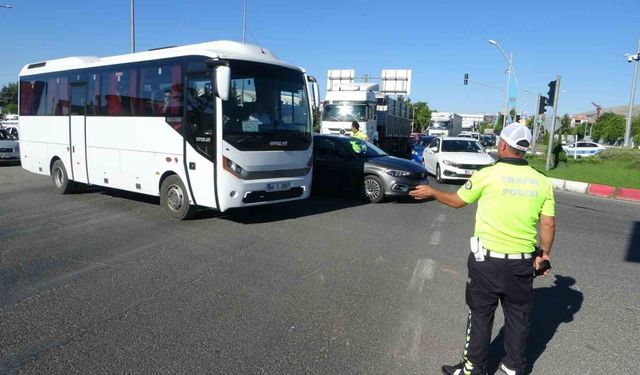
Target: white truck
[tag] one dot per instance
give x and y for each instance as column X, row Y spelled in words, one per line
column 350, row 102
column 447, row 124
column 386, row 121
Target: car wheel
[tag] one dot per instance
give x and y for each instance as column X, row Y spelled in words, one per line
column 439, row 174
column 174, row 199
column 373, row 189
column 60, row 178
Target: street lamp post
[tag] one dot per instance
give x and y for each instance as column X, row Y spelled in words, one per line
column 627, row 130
column 509, row 71
column 133, row 27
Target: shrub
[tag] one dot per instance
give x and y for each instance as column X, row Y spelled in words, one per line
column 628, row 156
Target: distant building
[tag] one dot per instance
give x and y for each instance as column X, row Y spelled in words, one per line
column 471, row 121
column 621, row 110
column 578, row 120
column 490, row 118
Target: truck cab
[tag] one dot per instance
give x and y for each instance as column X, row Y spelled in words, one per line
column 348, row 103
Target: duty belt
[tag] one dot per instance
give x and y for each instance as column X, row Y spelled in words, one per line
column 493, row 254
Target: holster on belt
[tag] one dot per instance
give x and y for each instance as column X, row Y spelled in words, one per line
column 538, row 251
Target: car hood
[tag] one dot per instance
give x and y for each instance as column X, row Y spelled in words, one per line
column 467, row 157
column 392, row 162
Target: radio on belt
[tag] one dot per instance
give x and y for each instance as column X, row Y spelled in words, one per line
column 476, row 248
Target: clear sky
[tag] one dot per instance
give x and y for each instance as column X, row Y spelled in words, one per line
column 584, row 41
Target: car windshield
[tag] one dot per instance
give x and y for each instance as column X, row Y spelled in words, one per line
column 424, row 142
column 460, row 145
column 5, row 136
column 344, row 112
column 440, row 125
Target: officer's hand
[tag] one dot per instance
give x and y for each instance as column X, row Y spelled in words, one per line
column 538, row 263
column 421, row 192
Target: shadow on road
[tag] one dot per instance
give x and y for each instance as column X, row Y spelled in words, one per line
column 9, row 163
column 552, row 306
column 316, row 204
column 138, row 197
column 633, row 251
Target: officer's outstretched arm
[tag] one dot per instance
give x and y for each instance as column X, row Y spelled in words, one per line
column 426, row 192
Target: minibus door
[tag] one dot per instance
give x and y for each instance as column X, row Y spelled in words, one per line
column 200, row 119
column 77, row 128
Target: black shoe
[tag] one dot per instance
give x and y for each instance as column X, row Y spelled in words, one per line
column 453, row 370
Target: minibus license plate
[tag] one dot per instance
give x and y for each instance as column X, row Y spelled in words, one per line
column 280, row 186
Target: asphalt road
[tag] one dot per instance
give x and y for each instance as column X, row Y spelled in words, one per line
column 102, row 282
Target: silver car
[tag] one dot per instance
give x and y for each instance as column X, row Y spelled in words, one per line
column 9, row 146
column 353, row 165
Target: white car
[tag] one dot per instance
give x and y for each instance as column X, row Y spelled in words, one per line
column 455, row 158
column 9, row 146
column 583, row 148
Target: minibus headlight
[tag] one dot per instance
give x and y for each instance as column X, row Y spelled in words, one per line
column 231, row 167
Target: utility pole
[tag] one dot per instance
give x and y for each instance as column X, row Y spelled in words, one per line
column 535, row 122
column 133, row 28
column 627, row 130
column 553, row 122
column 244, row 21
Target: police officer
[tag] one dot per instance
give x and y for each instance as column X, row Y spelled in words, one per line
column 512, row 198
column 356, row 133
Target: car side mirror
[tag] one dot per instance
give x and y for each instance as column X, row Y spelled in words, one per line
column 434, row 149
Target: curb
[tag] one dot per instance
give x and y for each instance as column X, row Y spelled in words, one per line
column 597, row 190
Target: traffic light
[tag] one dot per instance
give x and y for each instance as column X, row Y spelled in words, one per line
column 466, row 78
column 543, row 103
column 552, row 93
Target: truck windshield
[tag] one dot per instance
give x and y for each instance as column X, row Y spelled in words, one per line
column 344, row 112
column 268, row 108
column 440, row 125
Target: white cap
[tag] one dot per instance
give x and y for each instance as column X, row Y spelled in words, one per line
column 515, row 133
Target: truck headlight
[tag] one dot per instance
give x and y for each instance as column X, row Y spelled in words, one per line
column 395, row 173
column 451, row 163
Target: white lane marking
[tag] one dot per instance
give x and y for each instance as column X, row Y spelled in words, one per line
column 424, row 270
column 414, row 351
column 438, row 221
column 435, row 238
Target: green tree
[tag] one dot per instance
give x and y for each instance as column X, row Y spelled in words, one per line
column 499, row 121
column 579, row 131
column 317, row 121
column 564, row 127
column 9, row 95
column 530, row 122
column 609, row 127
column 10, row 108
column 422, row 116
column 404, row 100
column 635, row 130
